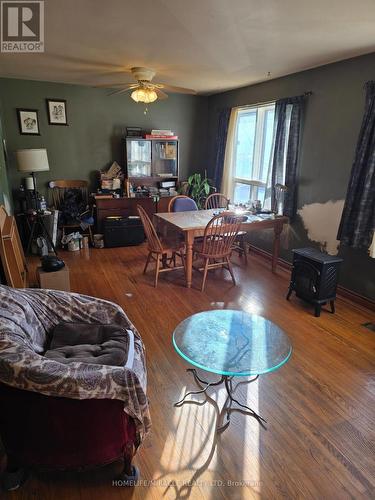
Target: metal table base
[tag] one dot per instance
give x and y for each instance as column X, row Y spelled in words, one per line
column 230, row 401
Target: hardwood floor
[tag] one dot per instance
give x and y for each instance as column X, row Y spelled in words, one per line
column 320, row 406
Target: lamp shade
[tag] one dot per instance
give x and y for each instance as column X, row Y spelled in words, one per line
column 144, row 95
column 32, row 160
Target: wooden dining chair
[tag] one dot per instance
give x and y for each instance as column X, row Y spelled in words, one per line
column 216, row 200
column 182, row 203
column 219, row 200
column 217, row 244
column 159, row 249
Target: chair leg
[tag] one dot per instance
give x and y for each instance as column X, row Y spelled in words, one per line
column 147, row 262
column 243, row 247
column 230, row 270
column 182, row 257
column 205, row 273
column 90, row 236
column 157, row 269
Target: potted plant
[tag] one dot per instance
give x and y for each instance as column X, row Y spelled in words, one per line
column 198, row 188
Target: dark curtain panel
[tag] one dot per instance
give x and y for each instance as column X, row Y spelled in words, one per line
column 288, row 119
column 221, row 140
column 358, row 217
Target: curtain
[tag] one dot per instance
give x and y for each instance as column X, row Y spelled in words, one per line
column 221, row 139
column 358, row 217
column 284, row 158
column 228, row 172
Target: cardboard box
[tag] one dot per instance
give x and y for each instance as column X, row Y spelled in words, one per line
column 58, row 280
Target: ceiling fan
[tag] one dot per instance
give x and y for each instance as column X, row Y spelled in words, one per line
column 144, row 90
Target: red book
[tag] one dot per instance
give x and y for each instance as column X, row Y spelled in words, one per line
column 168, row 137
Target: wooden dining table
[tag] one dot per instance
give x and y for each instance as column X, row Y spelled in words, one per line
column 193, row 223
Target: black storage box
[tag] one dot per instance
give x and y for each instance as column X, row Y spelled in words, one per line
column 123, row 231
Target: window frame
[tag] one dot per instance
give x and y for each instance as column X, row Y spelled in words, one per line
column 258, row 152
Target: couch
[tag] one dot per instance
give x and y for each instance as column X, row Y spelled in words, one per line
column 58, row 413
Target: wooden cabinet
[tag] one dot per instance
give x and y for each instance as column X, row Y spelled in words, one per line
column 121, row 206
column 127, row 206
column 163, row 204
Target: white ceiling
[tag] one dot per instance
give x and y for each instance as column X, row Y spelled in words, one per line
column 206, row 45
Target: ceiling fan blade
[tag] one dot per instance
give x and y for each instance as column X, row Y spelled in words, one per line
column 87, row 64
column 161, row 95
column 122, row 85
column 173, row 89
column 121, row 91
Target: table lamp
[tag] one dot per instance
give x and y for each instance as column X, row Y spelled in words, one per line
column 31, row 161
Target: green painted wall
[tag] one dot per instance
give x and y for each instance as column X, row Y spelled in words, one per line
column 332, row 121
column 97, row 123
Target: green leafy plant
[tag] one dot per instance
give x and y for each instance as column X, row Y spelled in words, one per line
column 198, row 188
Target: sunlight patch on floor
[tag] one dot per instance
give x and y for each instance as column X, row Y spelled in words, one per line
column 189, row 443
column 190, row 454
column 218, row 305
column 188, row 460
column 251, row 307
column 252, row 431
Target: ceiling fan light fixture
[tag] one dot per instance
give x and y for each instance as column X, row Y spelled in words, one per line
column 144, row 95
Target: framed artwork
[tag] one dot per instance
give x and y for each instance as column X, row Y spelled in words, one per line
column 56, row 110
column 28, row 121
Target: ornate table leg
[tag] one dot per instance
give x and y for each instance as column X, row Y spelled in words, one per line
column 227, row 410
column 198, row 380
column 229, row 401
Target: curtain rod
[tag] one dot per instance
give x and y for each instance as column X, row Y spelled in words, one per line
column 264, row 103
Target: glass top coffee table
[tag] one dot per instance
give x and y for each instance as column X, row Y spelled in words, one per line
column 230, row 344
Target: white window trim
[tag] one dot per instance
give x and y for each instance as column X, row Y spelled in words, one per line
column 258, row 152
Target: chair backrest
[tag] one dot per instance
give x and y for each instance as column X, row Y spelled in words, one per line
column 57, row 190
column 182, row 203
column 216, row 200
column 220, row 233
column 154, row 244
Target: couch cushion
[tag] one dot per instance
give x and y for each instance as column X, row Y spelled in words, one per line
column 89, row 343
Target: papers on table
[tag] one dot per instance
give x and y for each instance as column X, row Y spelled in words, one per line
column 259, row 217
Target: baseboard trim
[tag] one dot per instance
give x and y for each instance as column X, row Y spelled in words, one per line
column 355, row 297
column 281, row 263
column 343, row 292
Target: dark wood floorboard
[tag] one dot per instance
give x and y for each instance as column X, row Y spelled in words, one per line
column 320, row 406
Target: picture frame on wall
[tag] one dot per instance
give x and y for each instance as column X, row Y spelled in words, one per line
column 28, row 121
column 56, row 110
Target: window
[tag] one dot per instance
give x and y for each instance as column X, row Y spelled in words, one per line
column 251, row 153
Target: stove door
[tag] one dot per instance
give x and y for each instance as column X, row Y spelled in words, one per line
column 306, row 280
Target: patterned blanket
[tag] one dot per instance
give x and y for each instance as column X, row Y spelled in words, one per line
column 26, row 318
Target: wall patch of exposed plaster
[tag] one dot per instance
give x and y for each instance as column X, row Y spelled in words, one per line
column 321, row 221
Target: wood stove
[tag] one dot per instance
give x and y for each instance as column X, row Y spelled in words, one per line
column 314, row 277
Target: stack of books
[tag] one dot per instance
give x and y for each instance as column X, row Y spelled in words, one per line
column 161, row 134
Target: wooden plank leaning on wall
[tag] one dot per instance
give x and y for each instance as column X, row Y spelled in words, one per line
column 11, row 251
